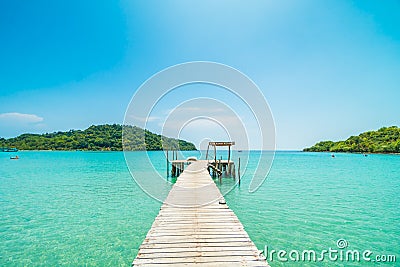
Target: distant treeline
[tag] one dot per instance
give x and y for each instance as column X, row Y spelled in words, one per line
column 97, row 137
column 385, row 140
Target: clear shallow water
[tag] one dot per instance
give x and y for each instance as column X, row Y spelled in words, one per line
column 83, row 208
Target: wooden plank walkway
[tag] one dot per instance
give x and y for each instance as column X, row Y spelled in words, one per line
column 194, row 229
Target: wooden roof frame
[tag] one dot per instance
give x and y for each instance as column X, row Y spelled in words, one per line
column 215, row 144
column 221, row 143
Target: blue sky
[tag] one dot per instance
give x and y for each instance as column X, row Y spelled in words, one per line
column 328, row 69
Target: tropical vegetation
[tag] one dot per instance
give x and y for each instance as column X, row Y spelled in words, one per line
column 384, row 140
column 97, row 137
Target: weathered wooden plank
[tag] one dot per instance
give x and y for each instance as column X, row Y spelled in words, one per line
column 221, row 212
column 195, row 237
column 183, row 232
column 198, row 227
column 225, row 259
column 195, row 249
column 198, row 221
column 169, row 240
column 197, row 245
column 185, row 254
column 187, row 216
column 212, row 264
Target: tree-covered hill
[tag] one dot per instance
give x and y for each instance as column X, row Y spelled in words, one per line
column 97, row 137
column 384, row 140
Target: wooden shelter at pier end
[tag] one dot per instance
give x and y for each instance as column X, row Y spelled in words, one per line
column 215, row 144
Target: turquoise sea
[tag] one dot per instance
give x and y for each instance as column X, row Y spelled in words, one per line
column 84, row 209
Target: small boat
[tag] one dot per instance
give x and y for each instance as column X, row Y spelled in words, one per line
column 16, row 157
column 7, row 149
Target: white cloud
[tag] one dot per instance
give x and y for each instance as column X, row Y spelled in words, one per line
column 20, row 117
column 144, row 119
column 194, row 109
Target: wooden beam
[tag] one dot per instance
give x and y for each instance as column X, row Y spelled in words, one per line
column 222, row 143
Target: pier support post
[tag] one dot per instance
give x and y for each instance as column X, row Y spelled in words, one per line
column 229, row 154
column 215, row 155
column 173, row 170
column 167, row 165
column 239, row 171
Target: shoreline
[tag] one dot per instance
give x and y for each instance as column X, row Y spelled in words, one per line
column 280, row 151
column 61, row 150
column 363, row 153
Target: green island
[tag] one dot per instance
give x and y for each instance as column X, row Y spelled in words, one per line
column 384, row 140
column 97, row 138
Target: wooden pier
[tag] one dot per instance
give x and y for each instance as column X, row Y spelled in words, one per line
column 195, row 227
